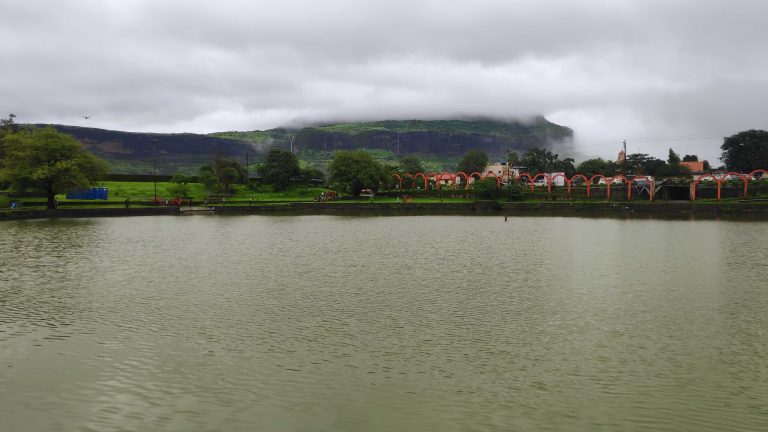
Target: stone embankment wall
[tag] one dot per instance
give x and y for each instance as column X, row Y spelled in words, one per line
column 755, row 210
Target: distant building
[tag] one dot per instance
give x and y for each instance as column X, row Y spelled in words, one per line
column 695, row 167
column 622, row 157
column 517, row 170
column 499, row 169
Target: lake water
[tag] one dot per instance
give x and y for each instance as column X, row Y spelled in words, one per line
column 323, row 323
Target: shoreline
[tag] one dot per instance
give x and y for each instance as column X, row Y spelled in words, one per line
column 671, row 210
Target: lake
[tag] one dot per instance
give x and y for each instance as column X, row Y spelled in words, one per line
column 327, row 323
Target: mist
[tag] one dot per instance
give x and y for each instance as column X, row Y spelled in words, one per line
column 658, row 74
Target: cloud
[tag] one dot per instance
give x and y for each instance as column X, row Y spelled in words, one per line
column 646, row 71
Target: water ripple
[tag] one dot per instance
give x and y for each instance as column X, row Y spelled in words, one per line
column 410, row 323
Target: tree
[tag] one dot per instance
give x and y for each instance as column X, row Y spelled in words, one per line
column 745, row 151
column 308, row 174
column 635, row 163
column 513, row 159
column 7, row 127
column 226, row 171
column 565, row 166
column 180, row 186
column 656, row 167
column 48, row 160
column 674, row 163
column 353, row 171
column 208, row 178
column 280, row 166
column 486, row 189
column 690, row 158
column 411, row 164
column 540, row 160
column 591, row 167
column 473, row 161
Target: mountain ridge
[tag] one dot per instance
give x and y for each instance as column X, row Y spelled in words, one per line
column 441, row 141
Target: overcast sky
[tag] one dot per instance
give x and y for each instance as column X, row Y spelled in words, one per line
column 659, row 74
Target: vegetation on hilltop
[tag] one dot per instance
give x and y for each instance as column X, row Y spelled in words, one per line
column 480, row 126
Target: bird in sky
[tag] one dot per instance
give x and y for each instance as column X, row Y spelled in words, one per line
column 86, row 117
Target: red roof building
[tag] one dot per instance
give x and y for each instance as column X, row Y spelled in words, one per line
column 696, row 167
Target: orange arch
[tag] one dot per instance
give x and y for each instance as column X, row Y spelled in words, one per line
column 742, row 177
column 528, row 176
column 399, row 179
column 586, row 180
column 634, row 180
column 702, row 177
column 552, row 180
column 413, row 183
column 748, row 178
column 466, row 178
column 479, row 177
column 498, row 180
column 592, row 179
column 626, row 181
column 546, row 177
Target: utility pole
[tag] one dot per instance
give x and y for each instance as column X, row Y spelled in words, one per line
column 154, row 164
column 624, row 162
column 246, row 167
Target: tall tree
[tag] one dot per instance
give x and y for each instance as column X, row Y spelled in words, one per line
column 48, row 160
column 566, row 166
column 353, row 171
column 674, row 163
column 513, row 159
column 540, row 160
column 226, row 171
column 591, row 167
column 635, row 163
column 411, row 164
column 8, row 126
column 690, row 158
column 280, row 166
column 473, row 161
column 745, row 151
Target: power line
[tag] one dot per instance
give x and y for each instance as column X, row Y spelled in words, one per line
column 654, row 140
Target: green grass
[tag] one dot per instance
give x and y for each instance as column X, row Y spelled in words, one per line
column 119, row 191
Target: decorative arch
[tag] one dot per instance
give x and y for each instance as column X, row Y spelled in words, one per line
column 498, row 180
column 748, row 178
column 586, row 180
column 399, row 179
column 742, row 177
column 413, row 183
column 440, row 177
column 702, row 177
column 651, row 192
column 546, row 177
column 592, row 179
column 528, row 176
column 479, row 177
column 568, row 182
column 466, row 178
column 626, row 181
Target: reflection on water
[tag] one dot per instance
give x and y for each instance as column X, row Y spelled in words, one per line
column 407, row 323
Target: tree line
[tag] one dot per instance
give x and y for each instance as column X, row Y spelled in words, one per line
column 43, row 159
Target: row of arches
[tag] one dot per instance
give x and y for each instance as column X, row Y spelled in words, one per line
column 550, row 179
column 719, row 180
column 590, row 181
column 444, row 177
column 531, row 180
